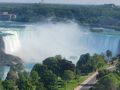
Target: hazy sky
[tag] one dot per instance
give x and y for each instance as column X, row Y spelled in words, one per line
column 68, row 1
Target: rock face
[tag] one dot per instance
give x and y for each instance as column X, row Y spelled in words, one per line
column 2, row 45
column 7, row 59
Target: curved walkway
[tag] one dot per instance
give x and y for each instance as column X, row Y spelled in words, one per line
column 87, row 84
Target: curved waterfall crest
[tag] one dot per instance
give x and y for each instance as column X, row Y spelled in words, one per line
column 39, row 41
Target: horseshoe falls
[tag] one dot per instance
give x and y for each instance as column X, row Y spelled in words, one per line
column 35, row 42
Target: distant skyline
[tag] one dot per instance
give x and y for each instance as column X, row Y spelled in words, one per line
column 117, row 2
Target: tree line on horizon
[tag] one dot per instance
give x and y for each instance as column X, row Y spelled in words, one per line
column 101, row 15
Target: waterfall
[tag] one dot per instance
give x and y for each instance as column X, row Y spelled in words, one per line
column 12, row 43
column 118, row 48
column 9, row 43
column 100, row 43
column 36, row 42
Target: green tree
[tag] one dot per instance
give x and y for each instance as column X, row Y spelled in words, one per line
column 118, row 66
column 10, row 85
column 66, row 65
column 34, row 77
column 53, row 64
column 36, row 81
column 102, row 73
column 88, row 63
column 58, row 64
column 68, row 75
column 24, row 82
column 97, row 61
column 108, row 82
column 48, row 78
column 83, row 64
column 1, row 86
column 109, row 54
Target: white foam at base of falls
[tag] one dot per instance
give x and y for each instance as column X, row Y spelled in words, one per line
column 39, row 41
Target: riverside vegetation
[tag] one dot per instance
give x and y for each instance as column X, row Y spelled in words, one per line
column 108, row 80
column 57, row 73
column 107, row 15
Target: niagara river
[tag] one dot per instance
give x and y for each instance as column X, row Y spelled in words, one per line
column 33, row 42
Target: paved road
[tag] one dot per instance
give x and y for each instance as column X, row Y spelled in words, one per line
column 87, row 84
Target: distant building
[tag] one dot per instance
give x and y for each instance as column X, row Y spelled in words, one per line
column 5, row 16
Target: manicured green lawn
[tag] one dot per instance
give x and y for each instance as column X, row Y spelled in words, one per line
column 74, row 83
column 106, row 66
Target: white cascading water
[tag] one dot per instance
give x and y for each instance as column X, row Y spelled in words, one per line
column 101, row 43
column 39, row 41
column 36, row 42
column 12, row 43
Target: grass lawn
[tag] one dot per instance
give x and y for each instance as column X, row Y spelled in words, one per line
column 106, row 66
column 73, row 83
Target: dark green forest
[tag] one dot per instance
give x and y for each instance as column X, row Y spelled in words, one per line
column 107, row 15
column 56, row 72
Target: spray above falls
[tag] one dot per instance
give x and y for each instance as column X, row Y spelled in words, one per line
column 38, row 41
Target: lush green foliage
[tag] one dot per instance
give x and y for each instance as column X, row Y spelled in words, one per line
column 54, row 73
column 101, row 15
column 48, row 78
column 88, row 63
column 108, row 80
column 58, row 65
column 102, row 73
column 68, row 75
column 118, row 66
column 109, row 54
